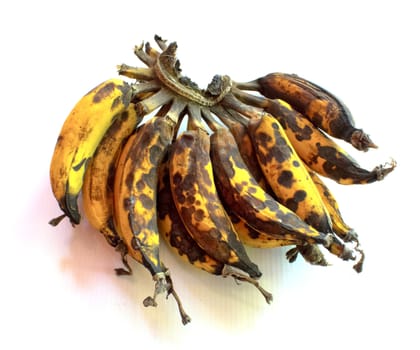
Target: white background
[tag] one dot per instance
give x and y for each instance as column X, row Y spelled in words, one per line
column 58, row 288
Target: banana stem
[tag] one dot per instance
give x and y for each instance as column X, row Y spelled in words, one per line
column 171, row 291
column 158, row 99
column 57, row 220
column 232, row 102
column 223, row 115
column 160, row 287
column 249, row 99
column 164, row 283
column 143, row 56
column 122, row 249
column 251, row 85
column 161, row 43
column 195, row 120
column 135, row 72
column 213, row 124
column 142, row 87
column 358, row 267
column 237, row 276
column 153, row 53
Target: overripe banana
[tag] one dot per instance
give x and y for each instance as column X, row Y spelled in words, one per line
column 245, row 198
column 135, row 188
column 286, row 174
column 181, row 242
column 197, row 202
column 340, row 227
column 79, row 137
column 324, row 109
column 319, row 151
column 97, row 190
column 244, row 143
column 245, row 172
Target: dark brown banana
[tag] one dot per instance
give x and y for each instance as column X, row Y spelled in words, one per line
column 198, row 204
column 324, row 109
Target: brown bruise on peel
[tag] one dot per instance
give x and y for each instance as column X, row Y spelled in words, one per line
column 248, row 200
column 340, row 169
column 289, row 182
column 253, row 238
column 174, row 232
column 319, row 151
column 108, row 89
column 99, row 177
column 345, row 232
column 320, row 106
column 271, row 147
column 276, row 85
column 246, row 150
column 199, row 206
column 144, row 159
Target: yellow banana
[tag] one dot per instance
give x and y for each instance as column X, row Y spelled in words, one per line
column 245, row 198
column 174, row 232
column 286, row 174
column 79, row 137
column 97, row 190
column 320, row 106
column 197, row 202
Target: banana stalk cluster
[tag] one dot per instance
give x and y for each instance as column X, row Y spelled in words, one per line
column 245, row 171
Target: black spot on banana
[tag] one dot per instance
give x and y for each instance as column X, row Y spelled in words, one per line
column 286, row 173
column 79, row 138
column 244, row 197
column 135, row 189
column 179, row 240
column 320, row 106
column 174, row 231
column 97, row 191
column 320, row 152
column 197, row 202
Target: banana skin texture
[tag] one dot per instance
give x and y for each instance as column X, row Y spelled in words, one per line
column 320, row 152
column 286, row 174
column 135, row 191
column 79, row 137
column 195, row 196
column 97, row 190
column 245, row 198
column 321, row 107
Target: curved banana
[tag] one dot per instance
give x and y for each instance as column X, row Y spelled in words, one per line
column 79, row 137
column 197, row 202
column 245, row 198
column 320, row 152
column 135, row 188
column 340, row 227
column 255, row 239
column 244, row 143
column 174, row 232
column 286, row 173
column 324, row 109
column 97, row 191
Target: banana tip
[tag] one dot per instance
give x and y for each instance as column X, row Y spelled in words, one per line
column 384, row 169
column 361, row 141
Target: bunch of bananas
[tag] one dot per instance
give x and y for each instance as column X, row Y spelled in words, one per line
column 245, row 170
